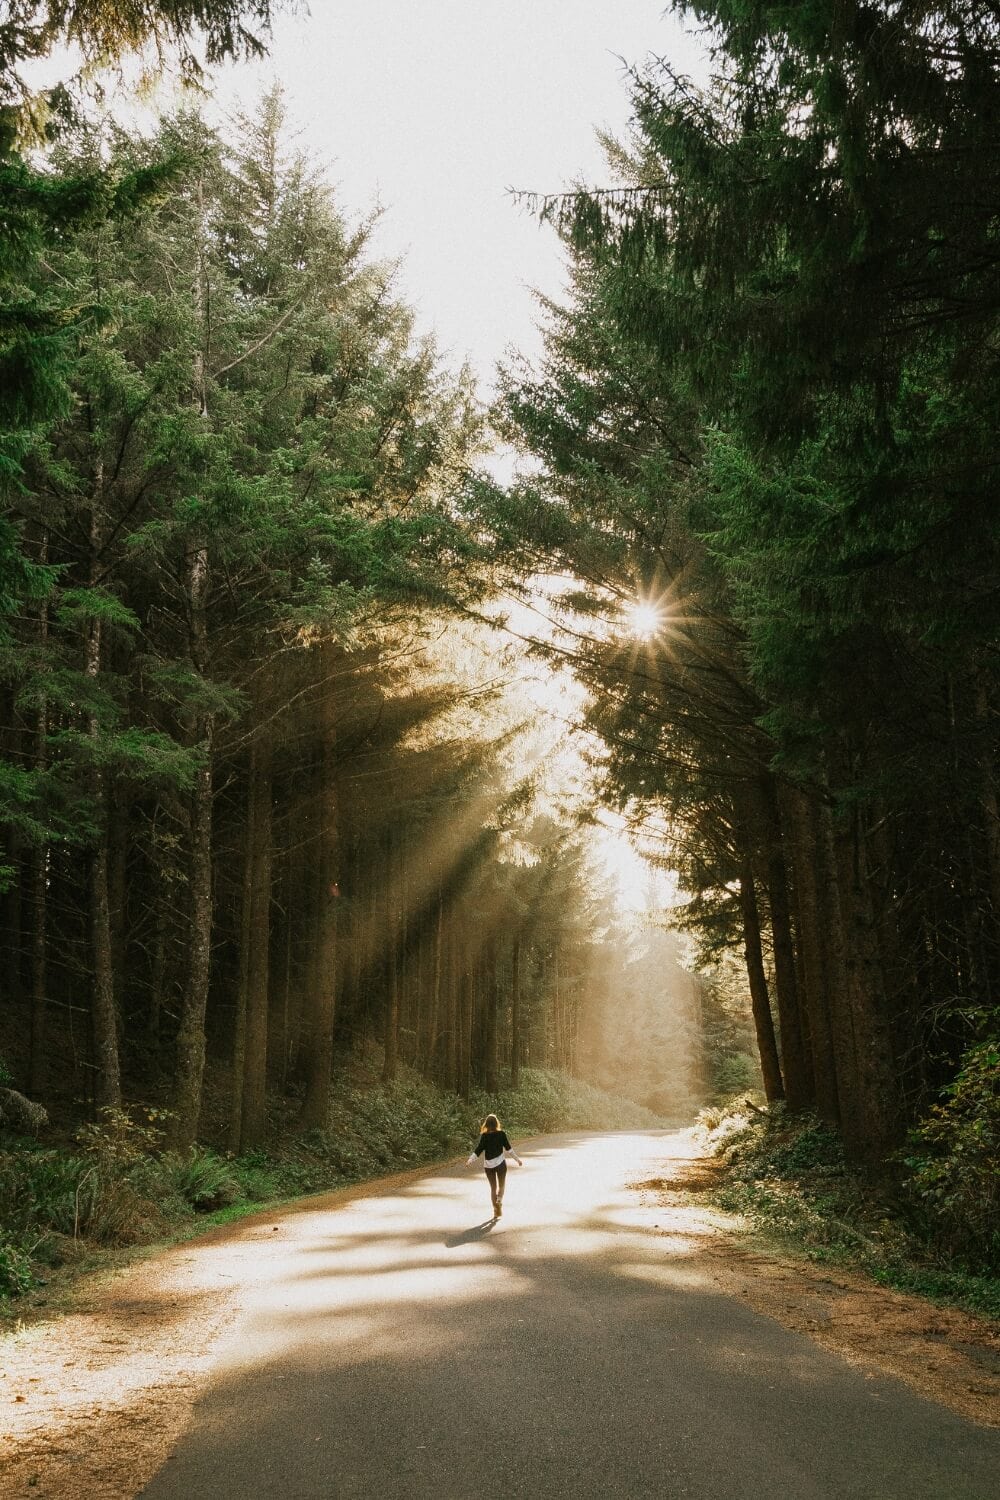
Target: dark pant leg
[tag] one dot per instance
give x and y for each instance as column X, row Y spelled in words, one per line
column 492, row 1173
column 501, row 1176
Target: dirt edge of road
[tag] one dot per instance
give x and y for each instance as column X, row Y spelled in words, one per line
column 947, row 1355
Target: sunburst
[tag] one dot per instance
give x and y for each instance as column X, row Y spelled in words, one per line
column 644, row 619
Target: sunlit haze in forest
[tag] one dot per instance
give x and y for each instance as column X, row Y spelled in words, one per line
column 435, row 112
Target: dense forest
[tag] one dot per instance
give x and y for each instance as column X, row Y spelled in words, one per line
column 271, row 797
column 268, row 793
column 768, row 411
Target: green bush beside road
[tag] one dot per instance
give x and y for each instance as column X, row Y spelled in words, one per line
column 787, row 1176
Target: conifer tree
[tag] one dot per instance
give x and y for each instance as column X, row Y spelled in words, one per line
column 767, row 409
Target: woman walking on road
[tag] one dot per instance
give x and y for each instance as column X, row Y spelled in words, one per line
column 495, row 1149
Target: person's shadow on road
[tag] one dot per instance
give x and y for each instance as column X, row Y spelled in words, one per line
column 478, row 1232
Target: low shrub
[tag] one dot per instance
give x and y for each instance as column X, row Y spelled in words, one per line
column 734, row 1074
column 108, row 1190
column 16, row 1274
column 549, row 1101
column 788, row 1178
column 953, row 1162
column 117, row 1140
column 392, row 1125
column 203, row 1180
column 36, row 1187
column 724, row 1125
column 770, row 1144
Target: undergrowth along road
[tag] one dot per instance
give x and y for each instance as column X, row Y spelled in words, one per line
column 787, row 1177
column 72, row 1204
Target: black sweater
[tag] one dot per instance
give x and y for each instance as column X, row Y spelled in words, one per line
column 493, row 1143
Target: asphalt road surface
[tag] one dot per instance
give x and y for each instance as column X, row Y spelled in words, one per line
column 406, row 1346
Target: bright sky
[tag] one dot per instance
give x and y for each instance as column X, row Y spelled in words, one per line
column 434, row 108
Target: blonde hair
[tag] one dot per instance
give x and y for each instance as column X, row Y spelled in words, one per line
column 490, row 1123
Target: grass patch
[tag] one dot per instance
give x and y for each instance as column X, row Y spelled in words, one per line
column 788, row 1178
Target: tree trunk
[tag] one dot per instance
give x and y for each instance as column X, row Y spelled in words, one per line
column 991, row 808
column 254, row 1119
column 190, row 1062
column 37, row 1057
column 39, row 970
column 107, row 1091
column 491, row 1070
column 118, row 846
column 452, row 1067
column 813, row 990
column 515, row 1015
column 465, row 1030
column 767, row 1047
column 303, row 919
column 238, row 1070
column 323, row 997
column 287, row 982
column 877, row 1075
column 158, row 973
column 972, row 898
column 795, row 1065
column 408, row 965
column 390, row 1032
column 434, row 1008
column 554, row 1028
column 12, row 928
column 12, row 913
column 841, row 995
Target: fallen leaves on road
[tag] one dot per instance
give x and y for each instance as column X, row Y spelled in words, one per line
column 102, row 1393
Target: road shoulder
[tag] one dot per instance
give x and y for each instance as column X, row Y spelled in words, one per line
column 945, row 1354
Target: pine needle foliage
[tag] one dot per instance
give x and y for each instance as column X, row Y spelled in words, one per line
column 768, row 406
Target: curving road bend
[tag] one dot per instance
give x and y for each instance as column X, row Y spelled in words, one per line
column 404, row 1346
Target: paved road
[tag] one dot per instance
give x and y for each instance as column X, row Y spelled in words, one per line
column 408, row 1348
